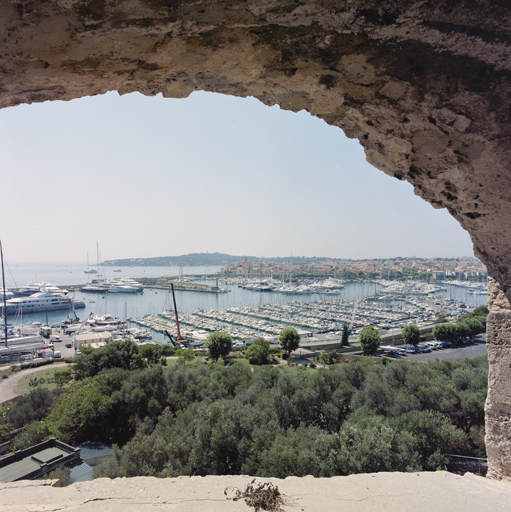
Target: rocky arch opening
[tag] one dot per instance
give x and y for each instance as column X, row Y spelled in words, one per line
column 424, row 87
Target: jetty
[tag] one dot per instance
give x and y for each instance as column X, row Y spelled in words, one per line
column 164, row 283
column 186, row 285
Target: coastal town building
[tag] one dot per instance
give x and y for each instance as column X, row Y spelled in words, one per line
column 459, row 268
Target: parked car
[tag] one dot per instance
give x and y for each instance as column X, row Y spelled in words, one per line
column 68, row 345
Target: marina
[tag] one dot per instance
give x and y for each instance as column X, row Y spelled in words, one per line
column 321, row 316
column 254, row 306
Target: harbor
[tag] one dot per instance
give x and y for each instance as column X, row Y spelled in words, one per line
column 308, row 318
column 250, row 306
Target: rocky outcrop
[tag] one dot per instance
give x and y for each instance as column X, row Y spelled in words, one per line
column 424, row 86
column 385, row 492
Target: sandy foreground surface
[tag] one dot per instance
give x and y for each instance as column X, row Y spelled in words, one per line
column 382, row 492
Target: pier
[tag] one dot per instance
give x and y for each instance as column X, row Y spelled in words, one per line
column 164, row 283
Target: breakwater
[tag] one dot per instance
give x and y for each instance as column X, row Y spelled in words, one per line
column 164, row 283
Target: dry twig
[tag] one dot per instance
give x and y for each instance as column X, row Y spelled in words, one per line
column 261, row 496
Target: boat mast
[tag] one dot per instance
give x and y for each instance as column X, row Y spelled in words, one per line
column 5, row 297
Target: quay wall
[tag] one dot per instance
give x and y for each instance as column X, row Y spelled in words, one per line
column 164, row 285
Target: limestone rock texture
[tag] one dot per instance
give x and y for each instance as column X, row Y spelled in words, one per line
column 424, row 86
column 384, row 492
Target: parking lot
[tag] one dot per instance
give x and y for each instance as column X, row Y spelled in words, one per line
column 473, row 349
column 60, row 346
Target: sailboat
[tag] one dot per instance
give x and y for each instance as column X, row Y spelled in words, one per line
column 89, row 270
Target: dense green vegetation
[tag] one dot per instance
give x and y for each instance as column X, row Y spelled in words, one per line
column 216, row 418
column 466, row 327
column 259, row 352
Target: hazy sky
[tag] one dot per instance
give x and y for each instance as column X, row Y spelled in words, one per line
column 155, row 177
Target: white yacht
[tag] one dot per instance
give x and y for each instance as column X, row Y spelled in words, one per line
column 120, row 285
column 43, row 300
column 34, row 287
column 96, row 287
column 124, row 285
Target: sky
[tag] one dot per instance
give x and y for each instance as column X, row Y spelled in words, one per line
column 149, row 176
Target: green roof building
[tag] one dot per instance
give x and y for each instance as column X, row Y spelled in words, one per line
column 38, row 460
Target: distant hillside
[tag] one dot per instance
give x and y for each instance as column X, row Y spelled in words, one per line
column 218, row 259
column 185, row 260
column 207, row 258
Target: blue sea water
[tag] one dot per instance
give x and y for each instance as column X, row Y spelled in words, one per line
column 153, row 301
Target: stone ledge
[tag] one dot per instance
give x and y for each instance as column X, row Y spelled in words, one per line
column 384, row 492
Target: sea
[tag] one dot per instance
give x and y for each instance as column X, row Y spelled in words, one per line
column 153, row 301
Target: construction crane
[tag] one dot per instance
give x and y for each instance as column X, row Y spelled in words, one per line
column 179, row 337
column 171, row 338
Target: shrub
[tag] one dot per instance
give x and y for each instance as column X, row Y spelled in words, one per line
column 259, row 352
column 37, row 363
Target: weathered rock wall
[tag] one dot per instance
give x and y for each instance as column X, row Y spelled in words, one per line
column 424, row 86
column 498, row 401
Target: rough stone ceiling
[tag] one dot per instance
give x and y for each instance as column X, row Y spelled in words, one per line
column 424, row 86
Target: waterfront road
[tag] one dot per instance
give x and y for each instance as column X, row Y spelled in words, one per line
column 7, row 385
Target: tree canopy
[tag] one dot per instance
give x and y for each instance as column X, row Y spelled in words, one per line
column 466, row 327
column 219, row 344
column 370, row 340
column 344, row 339
column 481, row 311
column 411, row 334
column 259, row 352
column 117, row 354
column 269, row 421
column 445, row 332
column 289, row 339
